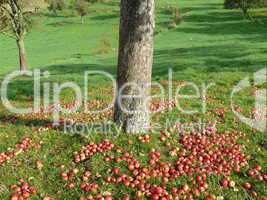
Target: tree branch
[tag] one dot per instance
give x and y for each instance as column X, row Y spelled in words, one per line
column 8, row 35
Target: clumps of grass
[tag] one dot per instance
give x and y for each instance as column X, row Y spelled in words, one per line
column 105, row 47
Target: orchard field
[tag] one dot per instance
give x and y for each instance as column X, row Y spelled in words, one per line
column 224, row 159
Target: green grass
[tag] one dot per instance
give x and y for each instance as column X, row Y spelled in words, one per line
column 211, row 45
column 209, row 39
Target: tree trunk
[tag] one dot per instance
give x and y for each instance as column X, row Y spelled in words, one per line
column 135, row 65
column 82, row 19
column 22, row 55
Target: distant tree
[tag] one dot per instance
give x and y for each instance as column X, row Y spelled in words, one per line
column 15, row 22
column 135, row 65
column 244, row 5
column 56, row 5
column 231, row 4
column 82, row 8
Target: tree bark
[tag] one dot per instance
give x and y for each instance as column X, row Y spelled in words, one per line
column 22, row 54
column 135, row 65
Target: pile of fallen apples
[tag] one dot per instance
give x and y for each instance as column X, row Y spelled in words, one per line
column 185, row 177
column 91, row 149
column 22, row 191
column 162, row 106
column 192, row 159
column 23, row 146
column 81, row 117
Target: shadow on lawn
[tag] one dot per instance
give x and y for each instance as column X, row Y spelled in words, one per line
column 63, row 23
column 202, row 59
column 105, row 17
column 58, row 15
column 16, row 120
column 214, row 58
column 36, row 124
column 225, row 23
column 77, row 68
column 168, row 10
column 22, row 88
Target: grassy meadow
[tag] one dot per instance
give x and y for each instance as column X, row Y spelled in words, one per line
column 210, row 45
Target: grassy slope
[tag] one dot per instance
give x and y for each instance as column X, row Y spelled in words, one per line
column 210, row 38
column 211, row 44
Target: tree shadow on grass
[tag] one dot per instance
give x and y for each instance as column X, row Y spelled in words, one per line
column 17, row 120
column 50, row 14
column 80, row 68
column 36, row 125
column 63, row 23
column 225, row 23
column 213, row 58
column 105, row 17
column 22, row 88
column 168, row 10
